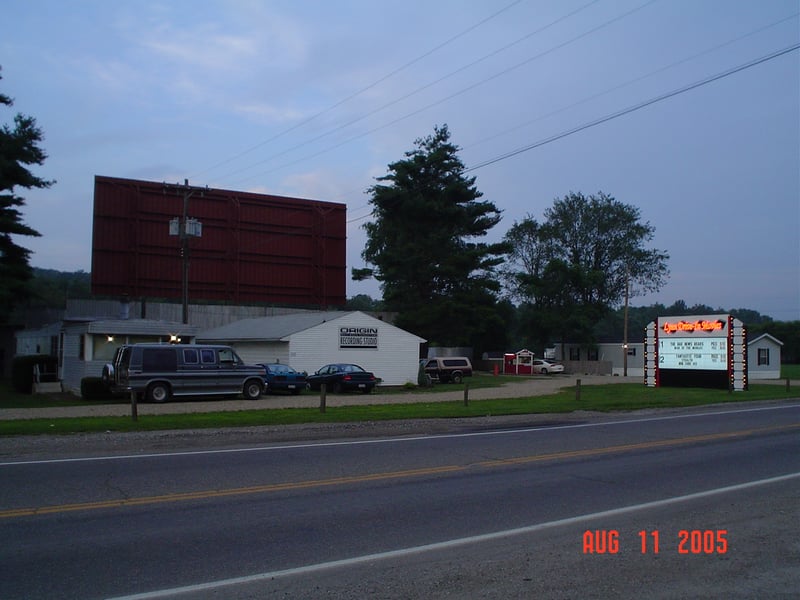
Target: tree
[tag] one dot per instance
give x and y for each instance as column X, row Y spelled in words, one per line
column 364, row 303
column 423, row 244
column 576, row 266
column 19, row 149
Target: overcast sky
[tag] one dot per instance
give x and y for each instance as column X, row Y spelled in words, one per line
column 314, row 99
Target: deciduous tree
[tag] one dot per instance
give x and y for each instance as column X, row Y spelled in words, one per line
column 576, row 266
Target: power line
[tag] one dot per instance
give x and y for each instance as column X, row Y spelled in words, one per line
column 627, row 111
column 363, row 90
column 634, row 108
column 430, row 85
column 631, row 81
column 446, row 98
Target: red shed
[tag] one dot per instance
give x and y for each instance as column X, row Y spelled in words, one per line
column 253, row 248
column 519, row 363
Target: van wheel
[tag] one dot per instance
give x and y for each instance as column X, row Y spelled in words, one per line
column 158, row 392
column 457, row 378
column 252, row 390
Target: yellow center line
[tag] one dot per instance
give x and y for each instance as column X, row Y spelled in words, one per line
column 352, row 479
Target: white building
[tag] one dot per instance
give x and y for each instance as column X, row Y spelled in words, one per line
column 84, row 346
column 307, row 341
column 764, row 357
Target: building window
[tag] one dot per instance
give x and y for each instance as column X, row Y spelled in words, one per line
column 574, row 353
column 763, row 356
column 631, row 351
column 592, row 354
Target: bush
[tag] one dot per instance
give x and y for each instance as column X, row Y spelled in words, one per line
column 93, row 388
column 423, row 379
column 22, row 370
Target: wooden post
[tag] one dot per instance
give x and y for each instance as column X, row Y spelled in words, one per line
column 578, row 390
column 134, row 407
column 323, row 392
column 787, row 384
column 466, row 394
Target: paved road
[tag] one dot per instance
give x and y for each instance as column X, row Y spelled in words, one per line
column 489, row 513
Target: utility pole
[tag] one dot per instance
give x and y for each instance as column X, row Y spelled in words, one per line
column 625, row 326
column 185, row 227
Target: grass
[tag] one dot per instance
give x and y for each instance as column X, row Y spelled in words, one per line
column 790, row 371
column 611, row 397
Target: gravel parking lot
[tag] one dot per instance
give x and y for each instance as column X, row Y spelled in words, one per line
column 529, row 386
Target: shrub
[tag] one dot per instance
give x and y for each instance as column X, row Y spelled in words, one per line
column 423, row 379
column 93, row 388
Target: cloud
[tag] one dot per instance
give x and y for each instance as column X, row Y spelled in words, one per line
column 270, row 113
column 205, row 50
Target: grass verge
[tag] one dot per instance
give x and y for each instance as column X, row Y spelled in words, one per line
column 615, row 397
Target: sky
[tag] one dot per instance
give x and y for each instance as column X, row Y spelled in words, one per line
column 688, row 110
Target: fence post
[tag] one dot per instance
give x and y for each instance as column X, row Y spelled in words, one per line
column 578, row 390
column 787, row 384
column 134, row 407
column 466, row 394
column 323, row 392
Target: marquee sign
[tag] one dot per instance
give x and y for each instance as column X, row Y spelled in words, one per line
column 692, row 326
column 358, row 337
column 696, row 350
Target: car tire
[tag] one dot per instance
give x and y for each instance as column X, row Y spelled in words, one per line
column 543, row 371
column 158, row 393
column 456, row 377
column 252, row 389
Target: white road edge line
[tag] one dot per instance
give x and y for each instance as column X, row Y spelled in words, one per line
column 349, row 562
column 392, row 439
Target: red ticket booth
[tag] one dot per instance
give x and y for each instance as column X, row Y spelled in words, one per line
column 518, row 363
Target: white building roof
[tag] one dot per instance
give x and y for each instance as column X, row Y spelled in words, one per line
column 276, row 328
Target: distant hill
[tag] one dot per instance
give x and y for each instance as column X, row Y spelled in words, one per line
column 50, row 288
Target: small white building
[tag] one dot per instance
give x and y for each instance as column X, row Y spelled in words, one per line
column 308, row 341
column 84, row 346
column 764, row 357
column 87, row 346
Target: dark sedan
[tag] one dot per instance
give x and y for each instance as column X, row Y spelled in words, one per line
column 342, row 378
column 283, row 378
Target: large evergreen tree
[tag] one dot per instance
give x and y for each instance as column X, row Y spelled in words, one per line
column 424, row 244
column 19, row 149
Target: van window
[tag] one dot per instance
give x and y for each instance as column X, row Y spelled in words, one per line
column 208, row 356
column 226, row 355
column 190, row 356
column 159, row 360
